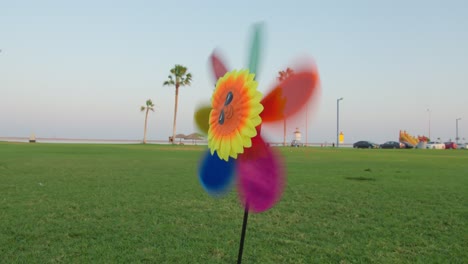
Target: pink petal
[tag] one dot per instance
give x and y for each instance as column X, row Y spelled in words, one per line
column 218, row 67
column 261, row 176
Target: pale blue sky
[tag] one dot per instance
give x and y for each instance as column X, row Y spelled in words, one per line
column 81, row 69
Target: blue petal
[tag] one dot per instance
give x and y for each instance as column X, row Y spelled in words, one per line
column 216, row 174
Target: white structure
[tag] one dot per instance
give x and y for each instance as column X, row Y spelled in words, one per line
column 32, row 138
column 297, row 134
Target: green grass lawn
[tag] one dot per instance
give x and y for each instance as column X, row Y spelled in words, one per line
column 77, row 203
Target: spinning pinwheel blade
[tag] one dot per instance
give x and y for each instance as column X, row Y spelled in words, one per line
column 232, row 123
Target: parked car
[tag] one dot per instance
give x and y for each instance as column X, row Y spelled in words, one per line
column 365, row 144
column 392, row 145
column 408, row 145
column 435, row 145
column 463, row 146
column 450, row 145
column 296, row 143
column 421, row 145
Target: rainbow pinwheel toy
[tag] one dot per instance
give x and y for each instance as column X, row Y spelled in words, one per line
column 233, row 123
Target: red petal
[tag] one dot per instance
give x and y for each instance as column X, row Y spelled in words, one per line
column 290, row 96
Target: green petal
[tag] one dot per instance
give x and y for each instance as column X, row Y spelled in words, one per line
column 202, row 118
column 255, row 49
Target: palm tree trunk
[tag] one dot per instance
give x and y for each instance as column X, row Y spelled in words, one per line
column 146, row 122
column 175, row 113
column 307, row 125
column 284, row 132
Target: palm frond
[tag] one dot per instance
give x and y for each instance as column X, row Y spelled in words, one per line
column 179, row 76
column 170, row 82
column 181, row 70
column 283, row 75
column 186, row 82
column 142, row 108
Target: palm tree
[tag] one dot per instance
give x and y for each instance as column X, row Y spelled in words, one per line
column 179, row 77
column 283, row 75
column 149, row 106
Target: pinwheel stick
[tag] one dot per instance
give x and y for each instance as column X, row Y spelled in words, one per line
column 244, row 228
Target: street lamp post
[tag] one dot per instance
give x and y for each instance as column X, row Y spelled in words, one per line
column 429, row 111
column 307, row 126
column 338, row 121
column 456, row 125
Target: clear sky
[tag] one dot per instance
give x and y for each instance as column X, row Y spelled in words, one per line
column 82, row 69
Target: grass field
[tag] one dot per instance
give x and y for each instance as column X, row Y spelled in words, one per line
column 77, row 203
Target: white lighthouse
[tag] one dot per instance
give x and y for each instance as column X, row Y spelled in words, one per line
column 297, row 134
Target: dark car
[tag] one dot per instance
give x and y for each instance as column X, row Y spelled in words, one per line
column 450, row 145
column 392, row 145
column 365, row 144
column 408, row 145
